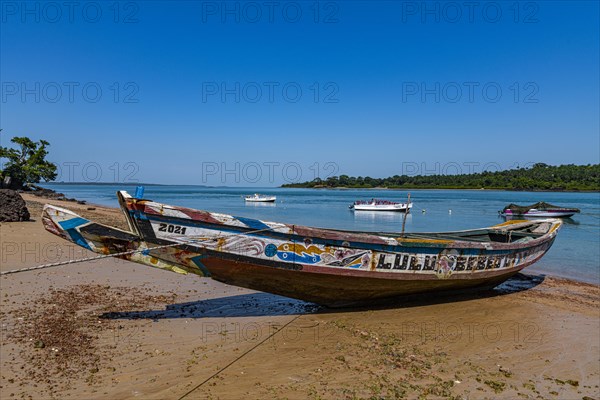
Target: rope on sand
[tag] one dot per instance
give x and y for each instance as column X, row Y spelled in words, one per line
column 239, row 358
column 57, row 264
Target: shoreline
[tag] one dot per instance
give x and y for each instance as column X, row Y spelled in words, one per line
column 317, row 188
column 97, row 212
column 461, row 189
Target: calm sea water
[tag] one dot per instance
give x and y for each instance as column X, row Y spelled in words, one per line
column 575, row 253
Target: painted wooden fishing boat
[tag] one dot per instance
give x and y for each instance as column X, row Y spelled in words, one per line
column 326, row 266
column 540, row 209
column 380, row 205
column 260, row 198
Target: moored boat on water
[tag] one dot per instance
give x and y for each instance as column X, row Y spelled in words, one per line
column 326, row 266
column 540, row 209
column 380, row 205
column 260, row 198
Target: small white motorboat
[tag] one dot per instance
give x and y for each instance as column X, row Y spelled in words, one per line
column 380, row 205
column 260, row 198
column 540, row 209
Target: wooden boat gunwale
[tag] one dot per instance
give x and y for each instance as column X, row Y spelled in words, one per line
column 437, row 239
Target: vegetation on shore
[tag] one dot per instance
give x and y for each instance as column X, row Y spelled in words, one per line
column 538, row 177
column 26, row 164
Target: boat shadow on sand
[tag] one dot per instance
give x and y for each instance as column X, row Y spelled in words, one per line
column 264, row 304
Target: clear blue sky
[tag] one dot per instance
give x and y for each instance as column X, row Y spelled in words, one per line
column 207, row 92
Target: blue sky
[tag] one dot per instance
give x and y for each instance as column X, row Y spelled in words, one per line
column 263, row 93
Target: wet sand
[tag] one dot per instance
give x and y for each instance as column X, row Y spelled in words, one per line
column 114, row 329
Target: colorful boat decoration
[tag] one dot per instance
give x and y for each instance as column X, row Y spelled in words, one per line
column 331, row 267
column 260, row 198
column 380, row 205
column 540, row 209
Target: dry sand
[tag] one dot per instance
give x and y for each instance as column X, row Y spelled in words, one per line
column 114, row 329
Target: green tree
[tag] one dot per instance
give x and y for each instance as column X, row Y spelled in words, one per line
column 27, row 162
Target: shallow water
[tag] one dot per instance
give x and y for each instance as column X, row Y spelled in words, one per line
column 575, row 253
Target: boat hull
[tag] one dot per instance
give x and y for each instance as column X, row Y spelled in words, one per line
column 542, row 214
column 382, row 207
column 269, row 200
column 539, row 209
column 330, row 267
column 260, row 199
column 339, row 291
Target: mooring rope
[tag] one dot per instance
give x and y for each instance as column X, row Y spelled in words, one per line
column 57, row 264
column 198, row 386
column 124, row 253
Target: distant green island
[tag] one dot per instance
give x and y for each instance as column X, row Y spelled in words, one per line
column 540, row 176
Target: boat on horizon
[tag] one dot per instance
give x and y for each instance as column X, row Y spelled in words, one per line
column 335, row 268
column 260, row 198
column 539, row 209
column 380, row 205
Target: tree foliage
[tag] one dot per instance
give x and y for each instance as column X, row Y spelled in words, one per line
column 27, row 163
column 538, row 177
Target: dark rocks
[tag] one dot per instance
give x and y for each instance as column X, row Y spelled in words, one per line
column 12, row 207
column 47, row 193
column 11, row 183
column 51, row 194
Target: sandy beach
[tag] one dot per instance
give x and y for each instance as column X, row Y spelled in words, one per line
column 113, row 329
